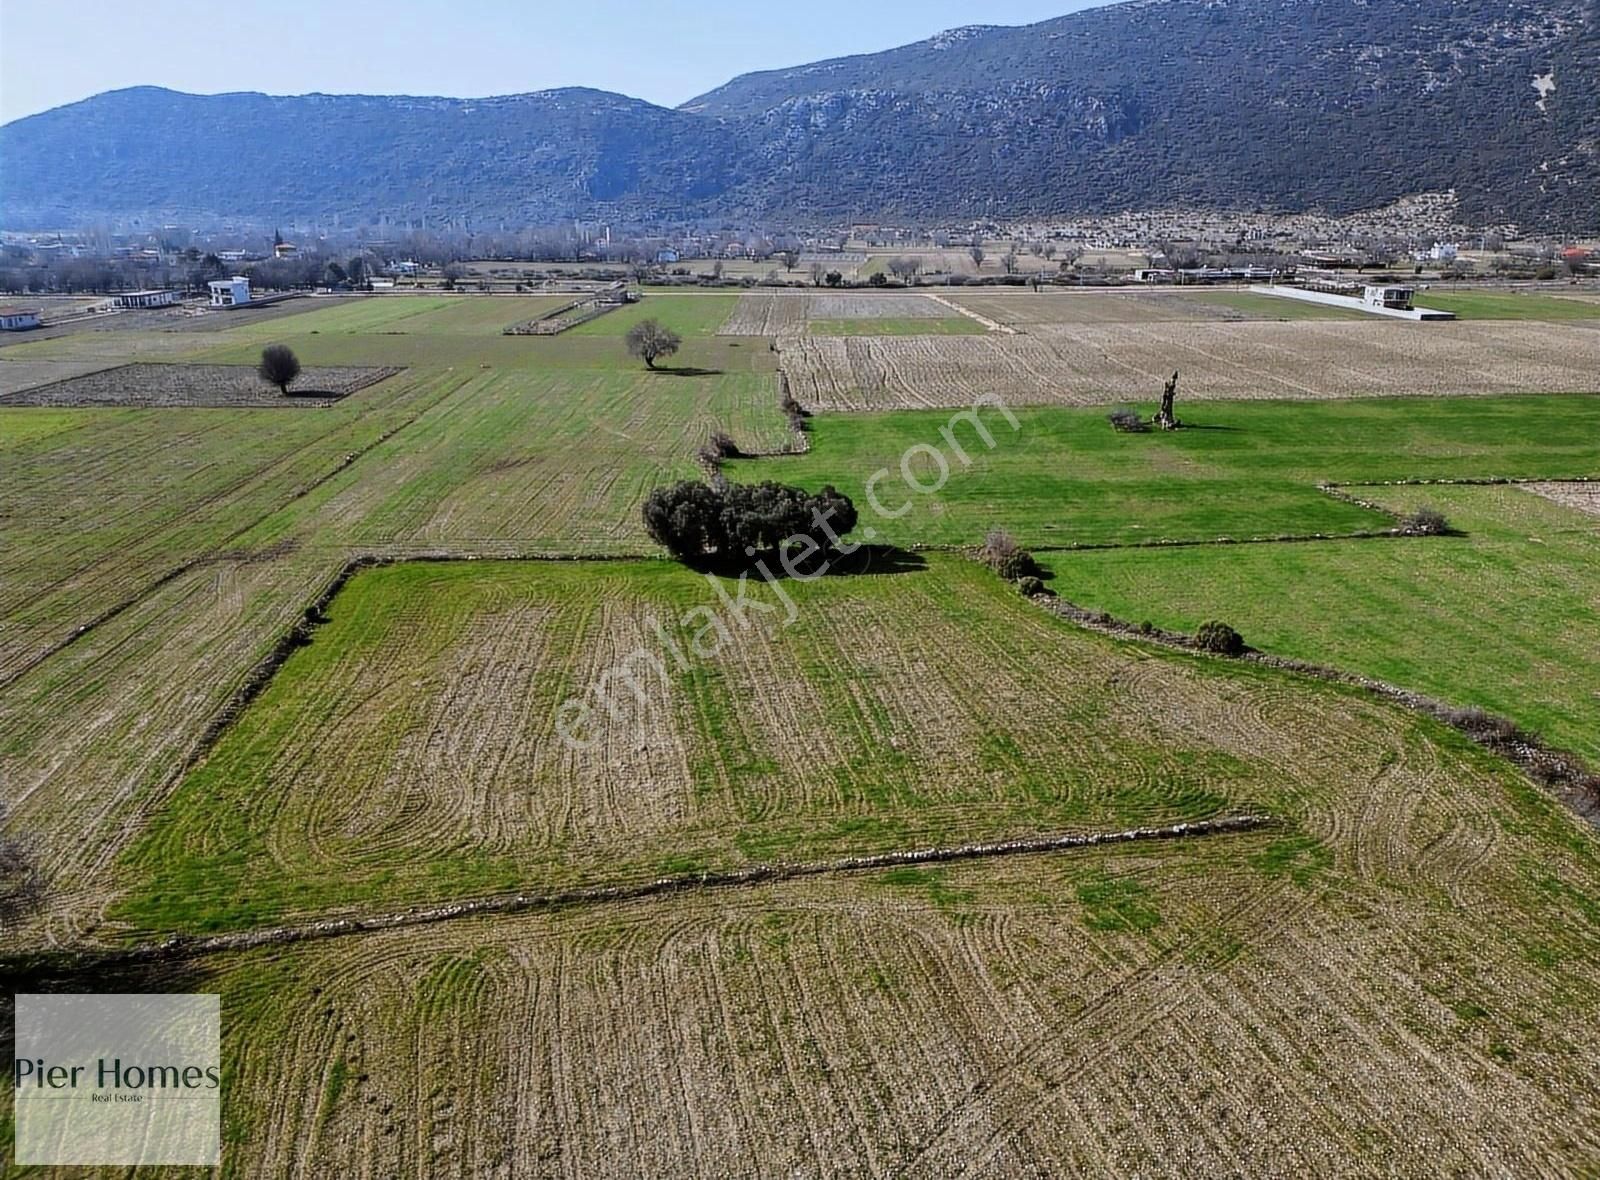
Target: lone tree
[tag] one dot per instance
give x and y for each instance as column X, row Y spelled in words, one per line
column 649, row 341
column 977, row 255
column 279, row 366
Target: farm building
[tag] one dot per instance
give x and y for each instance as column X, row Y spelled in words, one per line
column 234, row 292
column 16, row 319
column 145, row 299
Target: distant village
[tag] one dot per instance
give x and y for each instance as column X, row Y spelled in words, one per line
column 230, row 267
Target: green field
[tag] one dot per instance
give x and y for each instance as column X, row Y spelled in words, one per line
column 1244, row 469
column 1508, row 305
column 1270, row 307
column 410, row 752
column 1506, row 617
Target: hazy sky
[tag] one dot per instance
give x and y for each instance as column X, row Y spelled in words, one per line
column 60, row 51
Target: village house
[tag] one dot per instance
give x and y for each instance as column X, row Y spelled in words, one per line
column 147, row 299
column 234, row 292
column 16, row 319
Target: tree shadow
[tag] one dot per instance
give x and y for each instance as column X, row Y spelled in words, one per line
column 875, row 560
column 1208, row 426
column 686, row 371
column 65, row 973
column 878, row 560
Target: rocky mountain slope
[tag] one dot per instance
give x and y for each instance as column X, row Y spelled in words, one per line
column 1275, row 104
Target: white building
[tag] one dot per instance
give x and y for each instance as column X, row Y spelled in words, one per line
column 234, row 292
column 15, row 319
column 1394, row 298
column 148, row 299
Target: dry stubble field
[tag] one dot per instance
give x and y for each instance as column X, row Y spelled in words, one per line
column 1400, row 977
column 1104, row 364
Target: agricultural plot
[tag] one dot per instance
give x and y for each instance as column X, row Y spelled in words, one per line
column 1510, row 305
column 854, row 306
column 767, row 313
column 15, row 376
column 1110, row 363
column 194, row 386
column 853, row 314
column 413, row 751
column 1505, row 616
column 1110, row 1013
column 1584, row 497
column 1243, row 470
column 1024, row 309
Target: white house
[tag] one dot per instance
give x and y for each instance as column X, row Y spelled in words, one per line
column 666, row 256
column 234, row 292
column 15, row 319
column 144, row 299
column 1394, row 298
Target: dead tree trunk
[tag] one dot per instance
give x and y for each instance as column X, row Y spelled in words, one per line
column 1166, row 419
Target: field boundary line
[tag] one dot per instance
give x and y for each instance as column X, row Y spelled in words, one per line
column 188, row 947
column 1563, row 774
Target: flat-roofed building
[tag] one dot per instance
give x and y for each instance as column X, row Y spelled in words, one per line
column 145, row 299
column 234, row 292
column 16, row 319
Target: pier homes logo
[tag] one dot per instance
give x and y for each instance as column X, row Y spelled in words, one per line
column 118, row 1079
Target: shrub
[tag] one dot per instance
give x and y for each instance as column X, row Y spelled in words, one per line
column 1220, row 639
column 1425, row 522
column 1033, row 588
column 723, row 446
column 1481, row 725
column 1004, row 556
column 1015, row 566
column 1127, row 422
column 694, row 521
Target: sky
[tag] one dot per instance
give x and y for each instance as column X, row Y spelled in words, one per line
column 59, row 51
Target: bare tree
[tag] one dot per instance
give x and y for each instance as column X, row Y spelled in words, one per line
column 905, row 268
column 649, row 341
column 977, row 255
column 790, row 259
column 817, row 272
column 1010, row 261
column 279, row 366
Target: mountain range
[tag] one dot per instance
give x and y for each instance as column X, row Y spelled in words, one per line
column 1278, row 105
